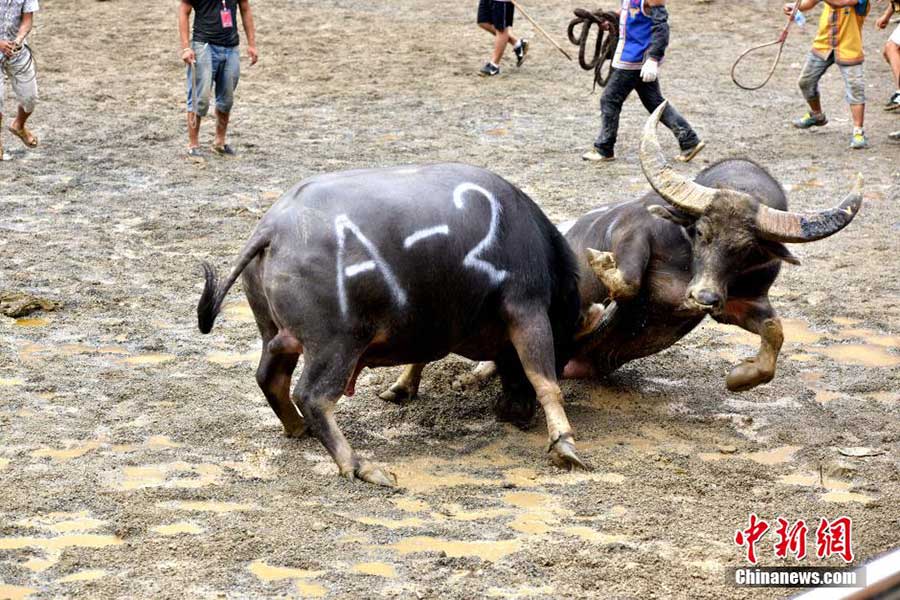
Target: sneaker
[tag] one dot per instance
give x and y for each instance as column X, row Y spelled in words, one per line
column 859, row 141
column 595, row 156
column 808, row 120
column 894, row 136
column 894, row 102
column 521, row 51
column 689, row 154
column 489, row 70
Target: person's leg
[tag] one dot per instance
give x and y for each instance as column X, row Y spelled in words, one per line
column 619, row 86
column 651, row 97
column 500, row 41
column 855, row 86
column 892, row 56
column 199, row 80
column 227, row 74
column 812, row 72
column 23, row 78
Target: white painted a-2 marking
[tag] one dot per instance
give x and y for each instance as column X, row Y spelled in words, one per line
column 342, row 224
column 472, row 258
column 422, row 234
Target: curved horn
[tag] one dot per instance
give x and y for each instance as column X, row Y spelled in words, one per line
column 681, row 193
column 790, row 227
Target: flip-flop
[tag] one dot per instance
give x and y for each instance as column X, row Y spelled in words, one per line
column 225, row 150
column 28, row 138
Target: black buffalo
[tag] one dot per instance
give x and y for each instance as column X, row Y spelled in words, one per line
column 383, row 267
column 712, row 246
column 653, row 268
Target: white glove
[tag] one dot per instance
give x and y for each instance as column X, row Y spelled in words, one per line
column 650, row 71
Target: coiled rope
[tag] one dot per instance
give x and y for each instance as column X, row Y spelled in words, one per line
column 607, row 38
column 19, row 70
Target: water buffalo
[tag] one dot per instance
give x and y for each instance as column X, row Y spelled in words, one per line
column 383, row 267
column 662, row 263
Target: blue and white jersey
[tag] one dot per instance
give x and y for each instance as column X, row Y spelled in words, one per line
column 635, row 31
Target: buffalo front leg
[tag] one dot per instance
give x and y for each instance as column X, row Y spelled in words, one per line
column 621, row 270
column 532, row 337
column 320, row 387
column 756, row 316
column 406, row 387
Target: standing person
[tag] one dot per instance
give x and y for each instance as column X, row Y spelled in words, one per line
column 892, row 51
column 839, row 40
column 643, row 38
column 212, row 56
column 16, row 20
column 496, row 17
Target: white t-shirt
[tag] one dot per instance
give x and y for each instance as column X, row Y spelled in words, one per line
column 11, row 16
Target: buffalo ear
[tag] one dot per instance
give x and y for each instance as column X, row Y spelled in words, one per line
column 780, row 252
column 663, row 212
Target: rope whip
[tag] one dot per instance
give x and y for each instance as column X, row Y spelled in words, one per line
column 19, row 70
column 780, row 41
column 605, row 47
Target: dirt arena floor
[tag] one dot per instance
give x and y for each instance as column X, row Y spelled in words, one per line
column 139, row 459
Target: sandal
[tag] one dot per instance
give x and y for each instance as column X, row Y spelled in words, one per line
column 194, row 154
column 225, row 150
column 28, row 138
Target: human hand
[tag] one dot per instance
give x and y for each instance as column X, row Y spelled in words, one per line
column 188, row 56
column 882, row 21
column 650, row 71
column 254, row 54
column 7, row 48
column 789, row 8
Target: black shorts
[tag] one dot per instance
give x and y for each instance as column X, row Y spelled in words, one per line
column 498, row 14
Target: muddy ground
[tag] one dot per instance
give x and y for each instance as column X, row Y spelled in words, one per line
column 139, row 459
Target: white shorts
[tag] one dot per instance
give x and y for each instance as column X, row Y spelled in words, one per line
column 895, row 37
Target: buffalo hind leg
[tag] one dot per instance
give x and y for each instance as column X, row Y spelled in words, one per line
column 406, row 387
column 532, row 337
column 517, row 403
column 274, row 378
column 474, row 379
column 756, row 316
column 320, row 387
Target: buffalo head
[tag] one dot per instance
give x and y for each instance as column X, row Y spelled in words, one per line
column 731, row 231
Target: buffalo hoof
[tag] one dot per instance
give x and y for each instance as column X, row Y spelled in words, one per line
column 295, row 431
column 563, row 450
column 748, row 375
column 398, row 394
column 369, row 473
column 515, row 409
column 476, row 378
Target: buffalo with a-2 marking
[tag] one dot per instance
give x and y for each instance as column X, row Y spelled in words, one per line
column 712, row 246
column 389, row 266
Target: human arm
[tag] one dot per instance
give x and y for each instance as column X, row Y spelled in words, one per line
column 805, row 5
column 659, row 38
column 885, row 18
column 24, row 27
column 184, row 15
column 250, row 29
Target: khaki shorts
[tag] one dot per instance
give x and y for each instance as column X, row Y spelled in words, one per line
column 19, row 69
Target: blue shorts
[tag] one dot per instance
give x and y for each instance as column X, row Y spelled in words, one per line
column 215, row 64
column 498, row 14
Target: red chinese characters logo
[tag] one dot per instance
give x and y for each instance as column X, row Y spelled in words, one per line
column 833, row 538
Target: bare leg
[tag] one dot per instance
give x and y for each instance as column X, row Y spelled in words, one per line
column 21, row 118
column 406, row 387
column 892, row 56
column 221, row 128
column 193, row 121
column 756, row 316
column 493, row 31
column 317, row 393
column 815, row 106
column 532, row 336
column 858, row 112
column 500, row 40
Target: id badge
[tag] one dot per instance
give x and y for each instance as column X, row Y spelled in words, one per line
column 227, row 21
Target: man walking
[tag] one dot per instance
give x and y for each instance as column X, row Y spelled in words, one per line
column 212, row 57
column 16, row 64
column 643, row 39
column 496, row 17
